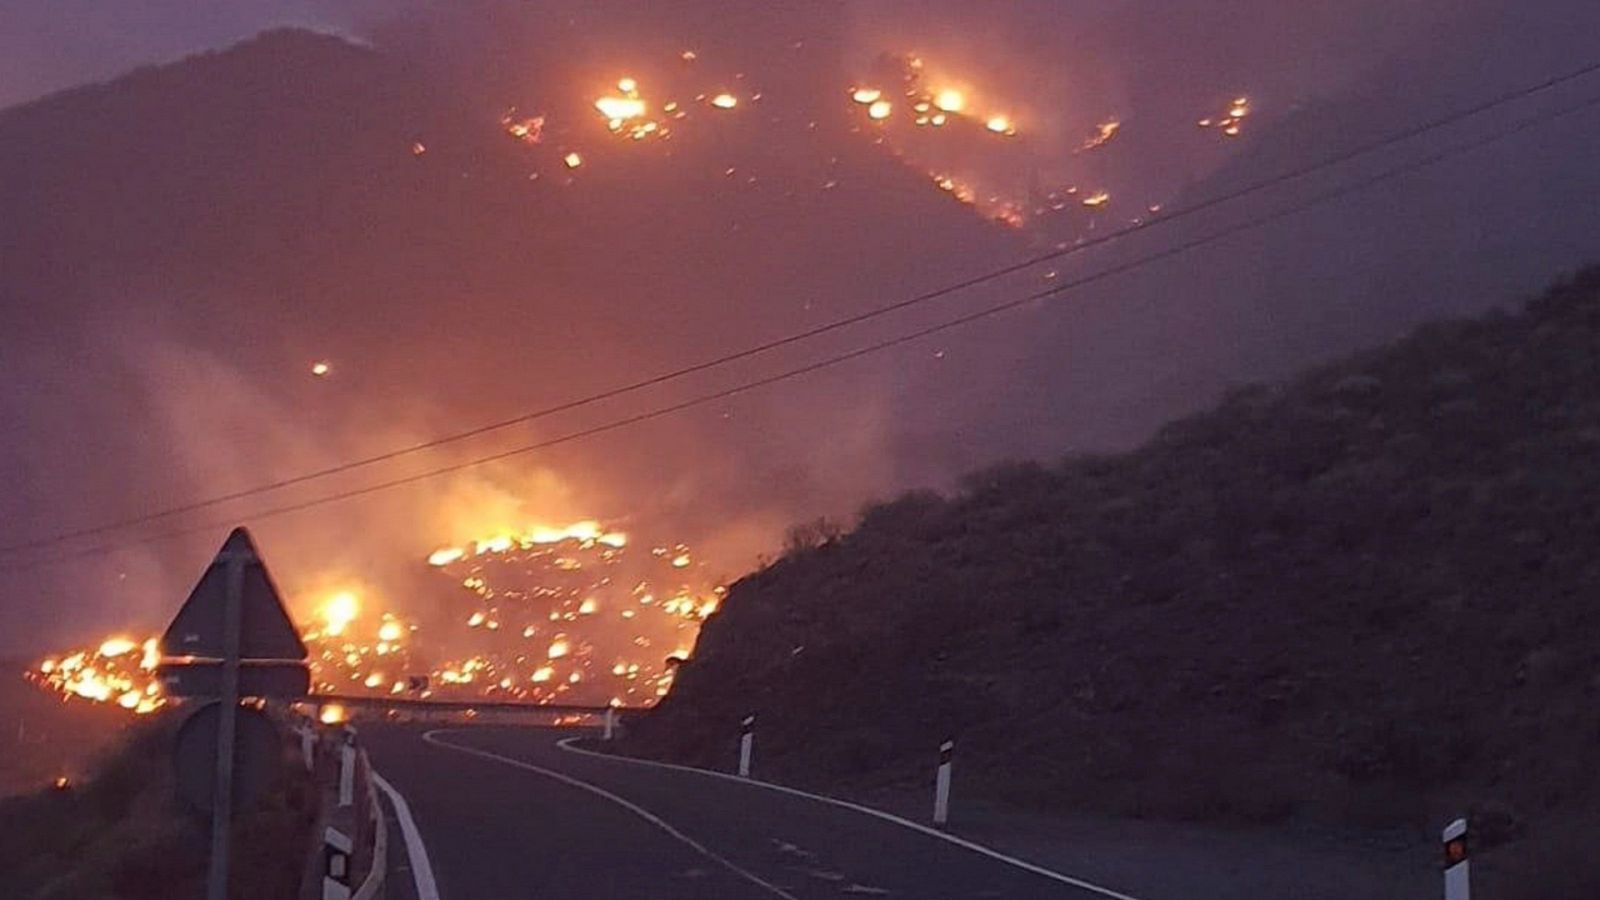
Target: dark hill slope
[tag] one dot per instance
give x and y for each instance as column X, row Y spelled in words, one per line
column 1370, row 594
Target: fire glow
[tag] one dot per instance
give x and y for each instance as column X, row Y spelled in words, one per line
column 1231, row 124
column 989, row 147
column 551, row 614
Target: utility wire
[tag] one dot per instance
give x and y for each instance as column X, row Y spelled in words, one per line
column 828, row 327
column 867, row 349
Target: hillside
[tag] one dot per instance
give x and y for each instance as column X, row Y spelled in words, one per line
column 47, row 736
column 194, row 235
column 118, row 831
column 1368, row 595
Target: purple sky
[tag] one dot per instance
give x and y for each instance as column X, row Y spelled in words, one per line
column 47, row 45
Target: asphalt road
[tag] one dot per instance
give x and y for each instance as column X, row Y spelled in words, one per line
column 506, row 814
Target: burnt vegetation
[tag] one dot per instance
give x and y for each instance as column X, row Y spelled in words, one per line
column 1364, row 596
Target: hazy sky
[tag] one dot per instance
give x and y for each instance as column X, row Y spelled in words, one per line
column 46, row 45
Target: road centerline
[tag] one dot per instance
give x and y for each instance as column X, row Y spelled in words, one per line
column 432, row 737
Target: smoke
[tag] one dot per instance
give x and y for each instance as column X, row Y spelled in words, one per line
column 454, row 288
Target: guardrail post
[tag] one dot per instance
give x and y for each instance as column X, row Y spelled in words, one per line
column 1457, row 868
column 941, row 786
column 747, row 740
column 611, row 721
column 336, row 849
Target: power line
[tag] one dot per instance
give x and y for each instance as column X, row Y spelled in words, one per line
column 828, row 327
column 867, row 349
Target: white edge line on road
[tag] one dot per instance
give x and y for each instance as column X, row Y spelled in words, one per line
column 378, row 876
column 630, row 806
column 421, row 869
column 567, row 745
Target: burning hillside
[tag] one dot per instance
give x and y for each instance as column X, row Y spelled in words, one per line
column 965, row 136
column 456, row 229
column 573, row 614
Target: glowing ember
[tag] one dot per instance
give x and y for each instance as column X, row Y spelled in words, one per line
column 332, row 714
column 320, row 369
column 446, row 556
column 117, row 647
column 950, row 101
column 528, row 130
column 879, row 110
column 627, row 113
column 1097, row 199
column 572, row 160
column 866, row 96
column 724, row 101
column 1231, row 124
column 1000, row 125
column 1103, row 135
column 618, row 109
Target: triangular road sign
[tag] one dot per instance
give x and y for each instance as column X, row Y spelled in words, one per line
column 266, row 632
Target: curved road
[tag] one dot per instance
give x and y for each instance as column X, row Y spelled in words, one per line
column 506, row 814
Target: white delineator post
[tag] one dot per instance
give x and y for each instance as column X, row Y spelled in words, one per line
column 941, row 784
column 308, row 748
column 611, row 721
column 1457, row 868
column 336, row 850
column 747, row 743
column 347, row 773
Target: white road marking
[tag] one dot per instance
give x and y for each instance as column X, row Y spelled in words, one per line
column 630, row 806
column 567, row 745
column 421, row 869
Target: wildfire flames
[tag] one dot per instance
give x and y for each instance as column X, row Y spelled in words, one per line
column 1231, row 124
column 569, row 614
column 981, row 145
column 120, row 670
column 577, row 612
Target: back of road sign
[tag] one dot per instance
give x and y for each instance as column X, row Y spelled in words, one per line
column 265, row 633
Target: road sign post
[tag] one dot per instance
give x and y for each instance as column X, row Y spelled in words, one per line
column 222, row 803
column 231, row 638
